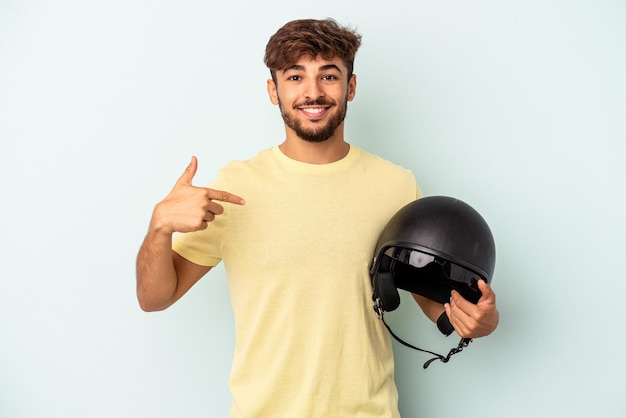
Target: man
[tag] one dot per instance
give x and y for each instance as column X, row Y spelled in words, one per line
column 296, row 251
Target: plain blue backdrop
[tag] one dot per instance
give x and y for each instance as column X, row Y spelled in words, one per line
column 516, row 107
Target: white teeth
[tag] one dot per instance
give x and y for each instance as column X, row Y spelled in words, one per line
column 313, row 109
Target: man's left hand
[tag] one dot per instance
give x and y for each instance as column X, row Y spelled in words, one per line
column 473, row 320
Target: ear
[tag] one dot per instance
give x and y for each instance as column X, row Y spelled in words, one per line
column 351, row 87
column 271, row 91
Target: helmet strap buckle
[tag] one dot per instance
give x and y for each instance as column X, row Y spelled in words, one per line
column 379, row 309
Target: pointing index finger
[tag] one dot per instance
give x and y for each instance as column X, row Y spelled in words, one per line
column 223, row 196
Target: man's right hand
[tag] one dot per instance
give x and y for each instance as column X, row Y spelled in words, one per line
column 188, row 208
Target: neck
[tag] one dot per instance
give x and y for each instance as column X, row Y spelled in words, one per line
column 326, row 152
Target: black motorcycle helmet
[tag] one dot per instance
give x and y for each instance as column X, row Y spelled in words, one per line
column 429, row 247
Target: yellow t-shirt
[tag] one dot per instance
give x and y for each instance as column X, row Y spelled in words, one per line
column 308, row 343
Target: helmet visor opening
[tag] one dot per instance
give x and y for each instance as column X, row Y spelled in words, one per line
column 432, row 276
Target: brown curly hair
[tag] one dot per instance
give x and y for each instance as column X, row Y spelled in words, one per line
column 310, row 38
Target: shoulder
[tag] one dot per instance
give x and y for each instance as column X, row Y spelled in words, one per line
column 383, row 166
column 241, row 176
column 383, row 173
column 262, row 157
column 249, row 166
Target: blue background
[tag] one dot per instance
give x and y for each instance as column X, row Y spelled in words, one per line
column 516, row 107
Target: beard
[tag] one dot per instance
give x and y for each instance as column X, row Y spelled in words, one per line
column 320, row 133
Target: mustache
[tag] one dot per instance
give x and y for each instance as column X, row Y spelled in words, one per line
column 316, row 102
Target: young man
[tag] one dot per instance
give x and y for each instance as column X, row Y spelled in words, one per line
column 297, row 250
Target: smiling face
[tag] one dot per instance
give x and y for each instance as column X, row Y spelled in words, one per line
column 313, row 95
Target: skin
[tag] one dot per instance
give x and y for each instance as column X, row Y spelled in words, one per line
column 469, row 320
column 310, row 80
column 163, row 276
column 312, row 96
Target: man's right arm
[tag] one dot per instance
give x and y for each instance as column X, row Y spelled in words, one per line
column 163, row 276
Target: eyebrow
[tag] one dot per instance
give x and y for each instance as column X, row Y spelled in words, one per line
column 326, row 67
column 330, row 67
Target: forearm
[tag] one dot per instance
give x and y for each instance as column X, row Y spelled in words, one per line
column 162, row 275
column 431, row 309
column 156, row 276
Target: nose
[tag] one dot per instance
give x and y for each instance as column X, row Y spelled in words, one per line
column 313, row 89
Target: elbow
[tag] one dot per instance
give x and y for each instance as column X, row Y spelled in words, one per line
column 151, row 307
column 148, row 307
column 151, row 304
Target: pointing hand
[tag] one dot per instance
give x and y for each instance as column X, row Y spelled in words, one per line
column 188, row 208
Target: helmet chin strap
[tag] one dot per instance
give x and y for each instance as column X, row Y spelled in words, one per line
column 462, row 344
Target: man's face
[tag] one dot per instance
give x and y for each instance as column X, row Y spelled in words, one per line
column 313, row 95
